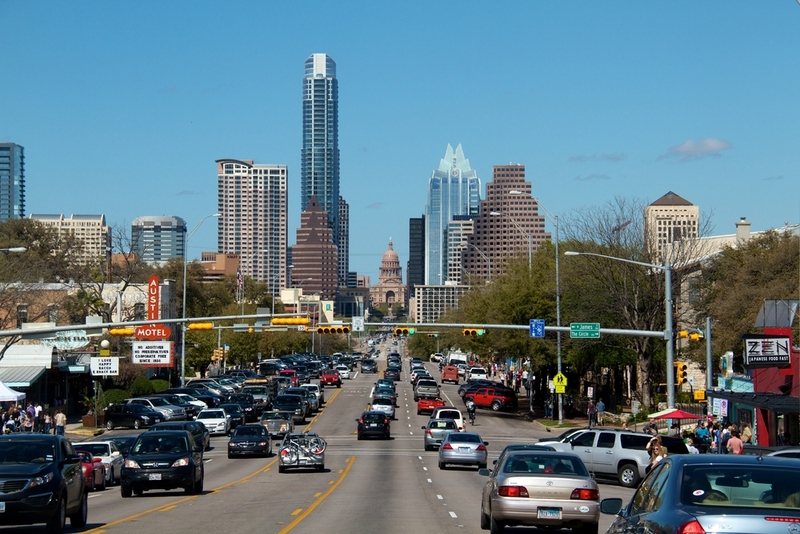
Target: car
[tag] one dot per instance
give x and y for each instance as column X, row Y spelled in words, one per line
column 450, row 412
column 249, row 440
column 343, row 370
column 545, row 489
column 563, row 436
column 426, row 389
column 291, row 374
column 235, row 413
column 495, row 398
column 123, row 443
column 318, row 392
column 617, row 453
column 785, row 452
column 191, row 400
column 522, row 447
column 42, row 482
column 392, row 373
column 94, row 470
column 262, row 394
column 158, row 404
column 383, row 405
column 198, row 430
column 293, row 404
column 278, row 424
column 164, row 460
column 477, row 373
column 435, row 431
column 373, row 424
column 311, row 400
column 696, row 493
column 428, row 405
column 110, row 455
column 385, row 392
column 436, row 357
column 462, row 369
column 174, row 399
column 385, row 383
column 369, row 366
column 463, row 448
column 329, row 377
column 212, row 400
column 248, row 404
column 305, row 449
column 467, row 387
column 216, row 420
column 450, row 374
column 131, row 415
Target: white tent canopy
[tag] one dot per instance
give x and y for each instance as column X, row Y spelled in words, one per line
column 8, row 395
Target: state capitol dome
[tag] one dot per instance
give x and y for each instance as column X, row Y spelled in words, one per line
column 390, row 288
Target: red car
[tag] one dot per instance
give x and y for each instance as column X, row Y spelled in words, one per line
column 94, row 470
column 428, row 405
column 292, row 375
column 495, row 398
column 330, row 377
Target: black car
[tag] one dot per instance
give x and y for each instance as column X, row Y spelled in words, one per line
column 191, row 409
column 236, row 413
column 163, row 460
column 123, row 443
column 42, row 482
column 369, row 366
column 197, row 429
column 248, row 404
column 392, row 373
column 212, row 400
column 373, row 424
column 249, row 440
column 131, row 415
column 291, row 403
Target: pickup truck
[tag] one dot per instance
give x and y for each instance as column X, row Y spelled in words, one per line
column 428, row 405
column 426, row 389
column 330, row 377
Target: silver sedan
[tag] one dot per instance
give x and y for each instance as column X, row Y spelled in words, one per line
column 463, row 448
column 436, row 430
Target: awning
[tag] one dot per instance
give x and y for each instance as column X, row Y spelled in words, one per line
column 768, row 401
column 20, row 377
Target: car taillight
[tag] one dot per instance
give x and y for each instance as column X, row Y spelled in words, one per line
column 692, row 527
column 584, row 494
column 481, row 448
column 385, row 421
column 361, row 421
column 447, row 447
column 512, row 491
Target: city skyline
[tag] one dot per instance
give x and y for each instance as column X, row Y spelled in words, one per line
column 123, row 111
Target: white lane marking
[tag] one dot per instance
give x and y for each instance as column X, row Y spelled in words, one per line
column 424, row 468
column 420, row 457
column 453, row 515
column 430, row 481
column 440, row 497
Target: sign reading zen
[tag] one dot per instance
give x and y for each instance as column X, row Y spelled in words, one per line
column 152, row 353
column 766, row 351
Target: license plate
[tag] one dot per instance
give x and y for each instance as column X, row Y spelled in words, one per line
column 154, row 476
column 463, row 449
column 373, row 425
column 549, row 513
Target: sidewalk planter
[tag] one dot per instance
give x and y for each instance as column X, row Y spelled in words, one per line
column 88, row 421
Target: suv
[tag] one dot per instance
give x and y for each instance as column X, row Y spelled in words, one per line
column 368, row 366
column 131, row 415
column 197, row 429
column 42, row 482
column 163, row 460
column 493, row 397
column 159, row 404
column 330, row 377
column 616, row 452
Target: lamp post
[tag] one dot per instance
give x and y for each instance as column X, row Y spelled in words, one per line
column 488, row 260
column 183, row 305
column 14, row 249
column 668, row 334
column 523, row 232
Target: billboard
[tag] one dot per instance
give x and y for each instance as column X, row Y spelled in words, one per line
column 156, row 353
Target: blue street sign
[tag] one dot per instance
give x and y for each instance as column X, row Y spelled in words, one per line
column 537, row 327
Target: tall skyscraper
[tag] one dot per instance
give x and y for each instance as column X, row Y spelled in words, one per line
column 12, row 181
column 155, row 239
column 314, row 261
column 454, row 189
column 415, row 270
column 343, row 244
column 669, row 219
column 252, row 199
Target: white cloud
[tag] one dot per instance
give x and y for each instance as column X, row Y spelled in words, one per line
column 691, row 150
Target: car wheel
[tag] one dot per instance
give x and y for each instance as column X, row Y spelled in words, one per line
column 56, row 523
column 109, row 425
column 628, row 475
column 137, row 424
column 428, row 448
column 110, row 480
column 125, row 490
column 496, row 527
column 198, row 486
column 78, row 519
column 138, row 491
column 102, row 485
column 419, row 412
column 360, row 437
column 230, row 456
column 484, row 520
column 441, row 465
column 497, row 405
column 281, row 469
column 482, row 466
column 321, row 467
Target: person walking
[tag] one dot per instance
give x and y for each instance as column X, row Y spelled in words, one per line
column 61, row 422
column 601, row 410
column 591, row 411
column 735, row 445
column 747, row 434
column 48, row 423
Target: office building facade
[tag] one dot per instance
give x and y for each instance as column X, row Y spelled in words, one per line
column 253, row 202
column 92, row 230
column 12, row 181
column 156, row 239
column 668, row 220
column 415, row 269
column 343, row 243
column 453, row 189
column 314, row 257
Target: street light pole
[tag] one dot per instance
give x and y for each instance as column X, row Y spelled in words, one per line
column 183, row 305
column 523, row 232
column 668, row 333
column 488, row 260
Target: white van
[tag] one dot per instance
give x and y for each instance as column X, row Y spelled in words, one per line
column 456, row 358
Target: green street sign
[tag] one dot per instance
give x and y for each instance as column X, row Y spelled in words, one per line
column 584, row 330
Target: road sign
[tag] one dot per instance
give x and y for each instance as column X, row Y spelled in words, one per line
column 537, row 327
column 560, row 380
column 561, row 389
column 584, row 330
column 152, row 332
column 358, row 324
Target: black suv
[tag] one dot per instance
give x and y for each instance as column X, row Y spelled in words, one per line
column 41, row 481
column 131, row 415
column 163, row 460
column 197, row 429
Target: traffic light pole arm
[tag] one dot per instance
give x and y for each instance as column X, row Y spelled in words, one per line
column 526, row 327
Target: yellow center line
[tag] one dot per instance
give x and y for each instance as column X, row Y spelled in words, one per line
column 168, row 508
column 310, row 509
column 297, row 511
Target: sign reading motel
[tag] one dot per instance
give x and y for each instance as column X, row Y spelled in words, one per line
column 766, row 351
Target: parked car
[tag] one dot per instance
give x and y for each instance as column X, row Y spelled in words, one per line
column 712, row 493
column 212, row 400
column 198, row 430
column 163, row 460
column 544, row 489
column 158, row 404
column 373, row 424
column 435, row 431
column 278, row 424
column 42, row 482
column 109, row 454
column 463, row 448
column 249, row 440
column 131, row 415
column 301, row 450
column 94, row 470
column 216, row 420
column 174, row 399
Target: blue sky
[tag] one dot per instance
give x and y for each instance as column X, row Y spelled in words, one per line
column 122, row 107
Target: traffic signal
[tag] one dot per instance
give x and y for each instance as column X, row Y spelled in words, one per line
column 121, row 331
column 472, row 332
column 289, row 321
column 218, row 354
column 404, row 331
column 433, row 335
column 694, row 334
column 333, row 329
column 681, row 374
column 200, row 326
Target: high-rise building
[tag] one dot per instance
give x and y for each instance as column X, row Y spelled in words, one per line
column 12, row 181
column 415, row 270
column 458, row 232
column 669, row 219
column 314, row 257
column 155, row 239
column 253, row 199
column 91, row 229
column 343, row 243
column 454, row 189
column 508, row 224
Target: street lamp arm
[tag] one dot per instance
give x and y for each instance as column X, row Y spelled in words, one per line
column 643, row 264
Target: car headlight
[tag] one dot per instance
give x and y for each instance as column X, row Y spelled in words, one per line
column 85, row 469
column 131, row 464
column 145, row 418
column 231, row 444
column 44, row 479
column 181, row 462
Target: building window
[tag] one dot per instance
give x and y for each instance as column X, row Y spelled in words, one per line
column 22, row 314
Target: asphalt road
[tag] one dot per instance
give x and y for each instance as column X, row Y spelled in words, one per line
column 369, row 486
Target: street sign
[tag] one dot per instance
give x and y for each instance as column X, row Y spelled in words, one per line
column 560, row 380
column 105, row 366
column 561, row 389
column 358, row 324
column 584, row 330
column 537, row 328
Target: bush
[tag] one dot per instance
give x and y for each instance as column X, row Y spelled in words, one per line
column 116, row 396
column 159, row 385
column 141, row 386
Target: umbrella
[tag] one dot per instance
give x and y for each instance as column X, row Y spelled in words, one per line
column 673, row 413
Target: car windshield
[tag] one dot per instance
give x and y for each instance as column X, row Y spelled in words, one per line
column 97, row 449
column 231, row 408
column 211, row 414
column 738, row 485
column 442, row 425
column 256, row 390
column 373, row 417
column 449, row 414
column 158, row 401
column 19, row 452
column 536, row 464
column 149, row 443
column 249, row 431
column 276, row 415
column 382, row 402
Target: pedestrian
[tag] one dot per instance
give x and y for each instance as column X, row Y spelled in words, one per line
column 61, row 422
column 656, row 450
column 48, row 422
column 591, row 411
column 548, row 407
column 747, row 434
column 625, row 426
column 30, row 413
column 38, row 410
column 735, row 445
column 601, row 410
column 691, row 448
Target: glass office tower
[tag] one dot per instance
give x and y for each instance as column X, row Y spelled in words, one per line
column 12, row 181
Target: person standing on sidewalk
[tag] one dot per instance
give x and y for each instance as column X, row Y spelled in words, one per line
column 601, row 410
column 591, row 411
column 61, row 422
